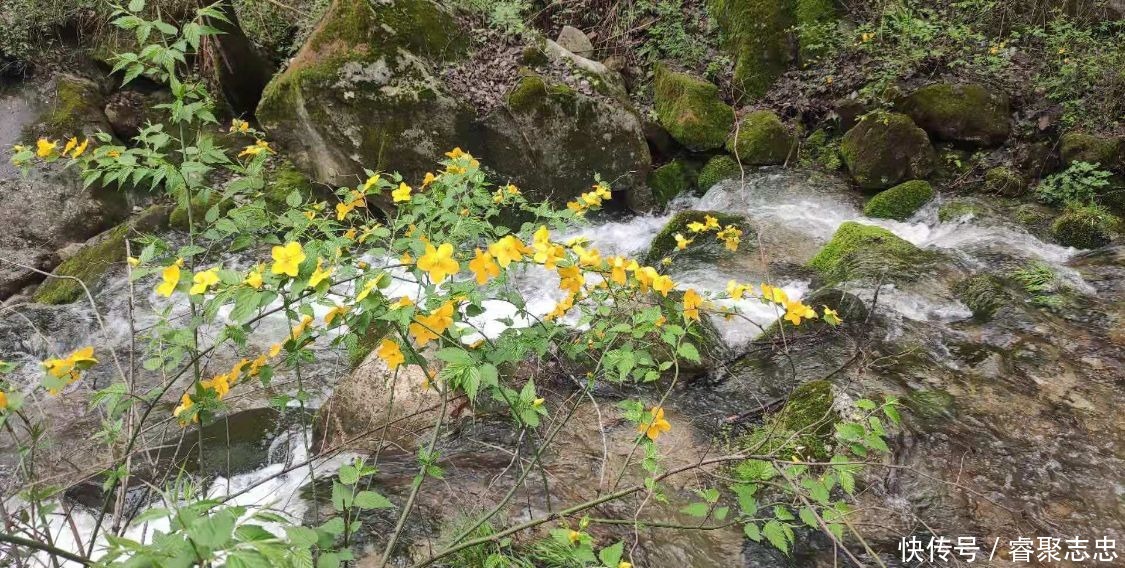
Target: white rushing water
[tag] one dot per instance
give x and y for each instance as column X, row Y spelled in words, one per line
column 806, row 209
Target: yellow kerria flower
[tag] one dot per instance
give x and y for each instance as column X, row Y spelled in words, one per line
column 645, row 277
column 44, row 148
column 774, row 294
column 537, row 403
column 70, row 144
column 203, row 281
column 710, row 223
column 438, row 262
column 390, row 353
column 403, row 302
column 428, row 327
column 428, row 179
column 371, row 181
column 507, row 250
column 334, row 313
column 624, row 564
column 796, row 311
column 484, row 268
column 3, row 400
column 736, row 290
column 287, row 259
column 831, row 317
column 681, row 242
column 401, row 194
column 275, row 349
column 81, row 149
column 254, row 279
column 696, row 227
column 561, row 308
column 657, row 426
column 571, row 279
column 237, row 125
column 455, row 153
column 588, row 257
column 548, row 255
column 319, row 275
column 255, row 149
column 342, row 210
column 301, row 327
column 574, row 536
column 170, row 278
column 220, row 384
column 185, row 405
column 692, row 302
column 663, row 284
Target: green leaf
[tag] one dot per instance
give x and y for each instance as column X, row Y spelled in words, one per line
column 849, row 431
column 808, row 517
column 782, row 513
column 249, row 533
column 752, row 532
column 611, row 555
column 775, row 533
column 689, row 352
column 299, row 536
column 213, row 531
column 349, row 474
column 372, row 500
column 136, row 5
column 698, row 510
column 341, row 496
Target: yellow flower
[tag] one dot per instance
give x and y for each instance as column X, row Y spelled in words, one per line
column 371, row 181
column 428, row 179
column 710, row 223
column 3, row 400
column 681, row 242
column 483, row 267
column 731, row 236
column 287, row 259
column 548, row 255
column 319, row 275
column 401, row 194
column 70, row 144
column 133, row 261
column 696, row 227
column 113, row 154
column 301, row 327
column 438, row 262
column 367, row 289
column 255, row 149
column 403, row 302
column 624, row 564
column 590, row 258
column 561, row 308
column 573, row 536
column 657, row 426
column 69, row 366
column 185, row 405
column 571, row 279
column 645, row 277
column 45, row 148
column 220, row 384
column 81, row 149
column 170, row 278
column 736, row 290
column 203, row 281
column 275, row 349
column 692, row 302
column 455, row 153
column 831, row 317
column 342, row 210
column 795, row 311
column 537, row 403
column 254, row 279
column 237, row 125
column 334, row 313
column 662, row 284
column 389, row 352
column 507, row 250
column 428, row 327
column 773, row 294
column 617, row 266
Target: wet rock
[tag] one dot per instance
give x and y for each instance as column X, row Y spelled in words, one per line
column 900, row 201
column 1108, row 152
column 761, row 139
column 966, row 114
column 865, row 251
column 706, row 247
column 957, row 209
column 691, row 110
column 1004, row 181
column 76, row 109
column 572, row 39
column 807, row 421
column 886, row 149
column 672, row 179
column 848, row 112
column 717, row 169
column 983, row 294
column 1085, row 227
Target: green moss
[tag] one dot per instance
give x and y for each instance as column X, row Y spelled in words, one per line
column 930, row 404
column 900, row 201
column 88, row 265
column 77, row 103
column 179, row 216
column 804, row 426
column 761, row 139
column 285, row 180
column 1005, row 181
column 705, row 246
column 717, row 169
column 969, row 114
column 859, row 251
column 690, row 110
column 955, row 210
column 1085, row 227
column 757, row 33
column 670, row 180
column 983, row 294
column 885, row 149
column 1032, row 214
column 848, row 307
column 815, row 19
column 1109, row 153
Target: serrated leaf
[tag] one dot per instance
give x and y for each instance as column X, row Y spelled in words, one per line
column 698, row 510
column 611, row 555
column 775, row 533
column 808, row 517
column 689, row 352
column 372, row 500
column 752, row 532
column 349, row 474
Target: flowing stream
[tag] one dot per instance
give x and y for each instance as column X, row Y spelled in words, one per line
column 1009, row 421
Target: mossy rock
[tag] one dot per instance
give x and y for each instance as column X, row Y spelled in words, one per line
column 1108, row 152
column 76, row 110
column 757, row 33
column 761, row 139
column 718, row 168
column 807, row 421
column 199, row 207
column 930, row 405
column 672, row 179
column 983, row 294
column 858, row 251
column 848, row 307
column 814, row 19
column 900, row 201
column 691, row 110
column 706, row 247
column 284, row 181
column 956, row 209
column 1004, row 181
column 964, row 114
column 1085, row 227
column 886, row 149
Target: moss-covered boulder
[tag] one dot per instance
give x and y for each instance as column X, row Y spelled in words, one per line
column 1106, row 151
column 815, row 21
column 858, row 251
column 983, row 294
column 956, row 209
column 717, row 169
column 886, row 149
column 672, row 179
column 1085, row 227
column 804, row 426
column 966, row 114
column 761, row 139
column 900, row 201
column 364, row 93
column 1004, row 181
column 705, row 246
column 757, row 33
column 691, row 110
column 285, row 180
column 75, row 109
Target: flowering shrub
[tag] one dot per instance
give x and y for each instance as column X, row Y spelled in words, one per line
column 445, row 238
